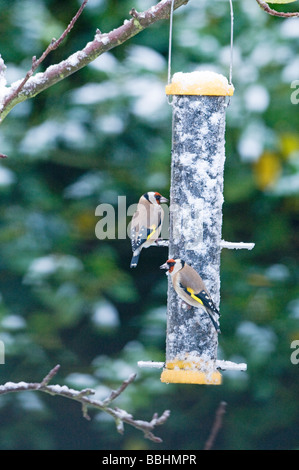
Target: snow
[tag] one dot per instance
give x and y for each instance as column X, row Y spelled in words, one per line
column 287, row 186
column 81, row 380
column 32, row 402
column 229, row 365
column 293, row 308
column 3, row 89
column 40, row 139
column 105, row 63
column 192, row 78
column 236, row 246
column 13, row 386
column 256, row 98
column 7, row 177
column 13, row 322
column 2, row 72
column 61, row 389
column 290, row 72
column 105, row 315
column 110, row 124
column 253, row 140
column 96, row 4
column 85, row 186
column 151, row 364
column 104, row 38
column 149, row 94
column 219, row 364
column 261, row 340
column 93, row 93
column 201, row 80
column 74, row 59
column 122, row 414
column 146, row 58
column 277, row 272
column 45, row 266
column 290, row 28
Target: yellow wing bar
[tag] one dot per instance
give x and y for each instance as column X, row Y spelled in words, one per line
column 153, row 228
column 191, row 292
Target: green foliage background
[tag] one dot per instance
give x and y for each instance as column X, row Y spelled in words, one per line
column 69, row 298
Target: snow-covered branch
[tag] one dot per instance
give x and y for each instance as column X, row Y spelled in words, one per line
column 32, row 85
column 270, row 11
column 120, row 416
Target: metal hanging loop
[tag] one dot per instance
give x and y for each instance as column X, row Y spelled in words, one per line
column 231, row 45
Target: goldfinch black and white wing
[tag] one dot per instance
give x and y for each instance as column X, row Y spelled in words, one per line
column 197, row 293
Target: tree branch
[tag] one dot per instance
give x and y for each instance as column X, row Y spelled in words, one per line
column 216, row 426
column 120, row 416
column 54, row 44
column 32, row 85
column 272, row 12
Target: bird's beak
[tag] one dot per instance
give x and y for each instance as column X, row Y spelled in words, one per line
column 164, row 266
column 163, row 199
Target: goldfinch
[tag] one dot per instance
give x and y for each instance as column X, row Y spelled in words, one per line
column 190, row 287
column 146, row 223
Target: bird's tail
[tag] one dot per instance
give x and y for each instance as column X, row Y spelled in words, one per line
column 215, row 320
column 135, row 259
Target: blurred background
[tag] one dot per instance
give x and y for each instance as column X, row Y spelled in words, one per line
column 67, row 297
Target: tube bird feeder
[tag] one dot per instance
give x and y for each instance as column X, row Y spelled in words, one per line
column 199, row 102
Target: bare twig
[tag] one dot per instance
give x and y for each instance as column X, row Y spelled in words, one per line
column 272, row 12
column 115, row 393
column 32, row 85
column 134, row 13
column 120, row 416
column 54, row 44
column 50, row 376
column 216, row 426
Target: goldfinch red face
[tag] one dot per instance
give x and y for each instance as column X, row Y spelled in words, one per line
column 169, row 265
column 155, row 198
column 173, row 265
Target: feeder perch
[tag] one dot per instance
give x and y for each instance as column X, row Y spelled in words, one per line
column 199, row 102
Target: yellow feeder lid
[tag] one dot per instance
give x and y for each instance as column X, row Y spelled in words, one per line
column 199, row 83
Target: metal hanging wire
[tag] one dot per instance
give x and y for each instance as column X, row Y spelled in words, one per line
column 170, row 41
column 231, row 41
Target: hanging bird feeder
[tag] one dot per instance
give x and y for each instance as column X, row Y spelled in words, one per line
column 196, row 196
column 199, row 101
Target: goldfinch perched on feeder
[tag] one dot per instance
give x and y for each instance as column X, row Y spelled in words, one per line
column 146, row 223
column 190, row 287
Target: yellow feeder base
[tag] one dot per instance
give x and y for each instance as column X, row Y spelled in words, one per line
column 183, row 372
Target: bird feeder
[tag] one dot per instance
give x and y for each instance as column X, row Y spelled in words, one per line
column 199, row 103
column 196, row 196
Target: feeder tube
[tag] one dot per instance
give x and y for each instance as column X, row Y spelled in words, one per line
column 196, row 197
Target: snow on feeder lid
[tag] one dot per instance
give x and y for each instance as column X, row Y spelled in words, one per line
column 199, row 83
